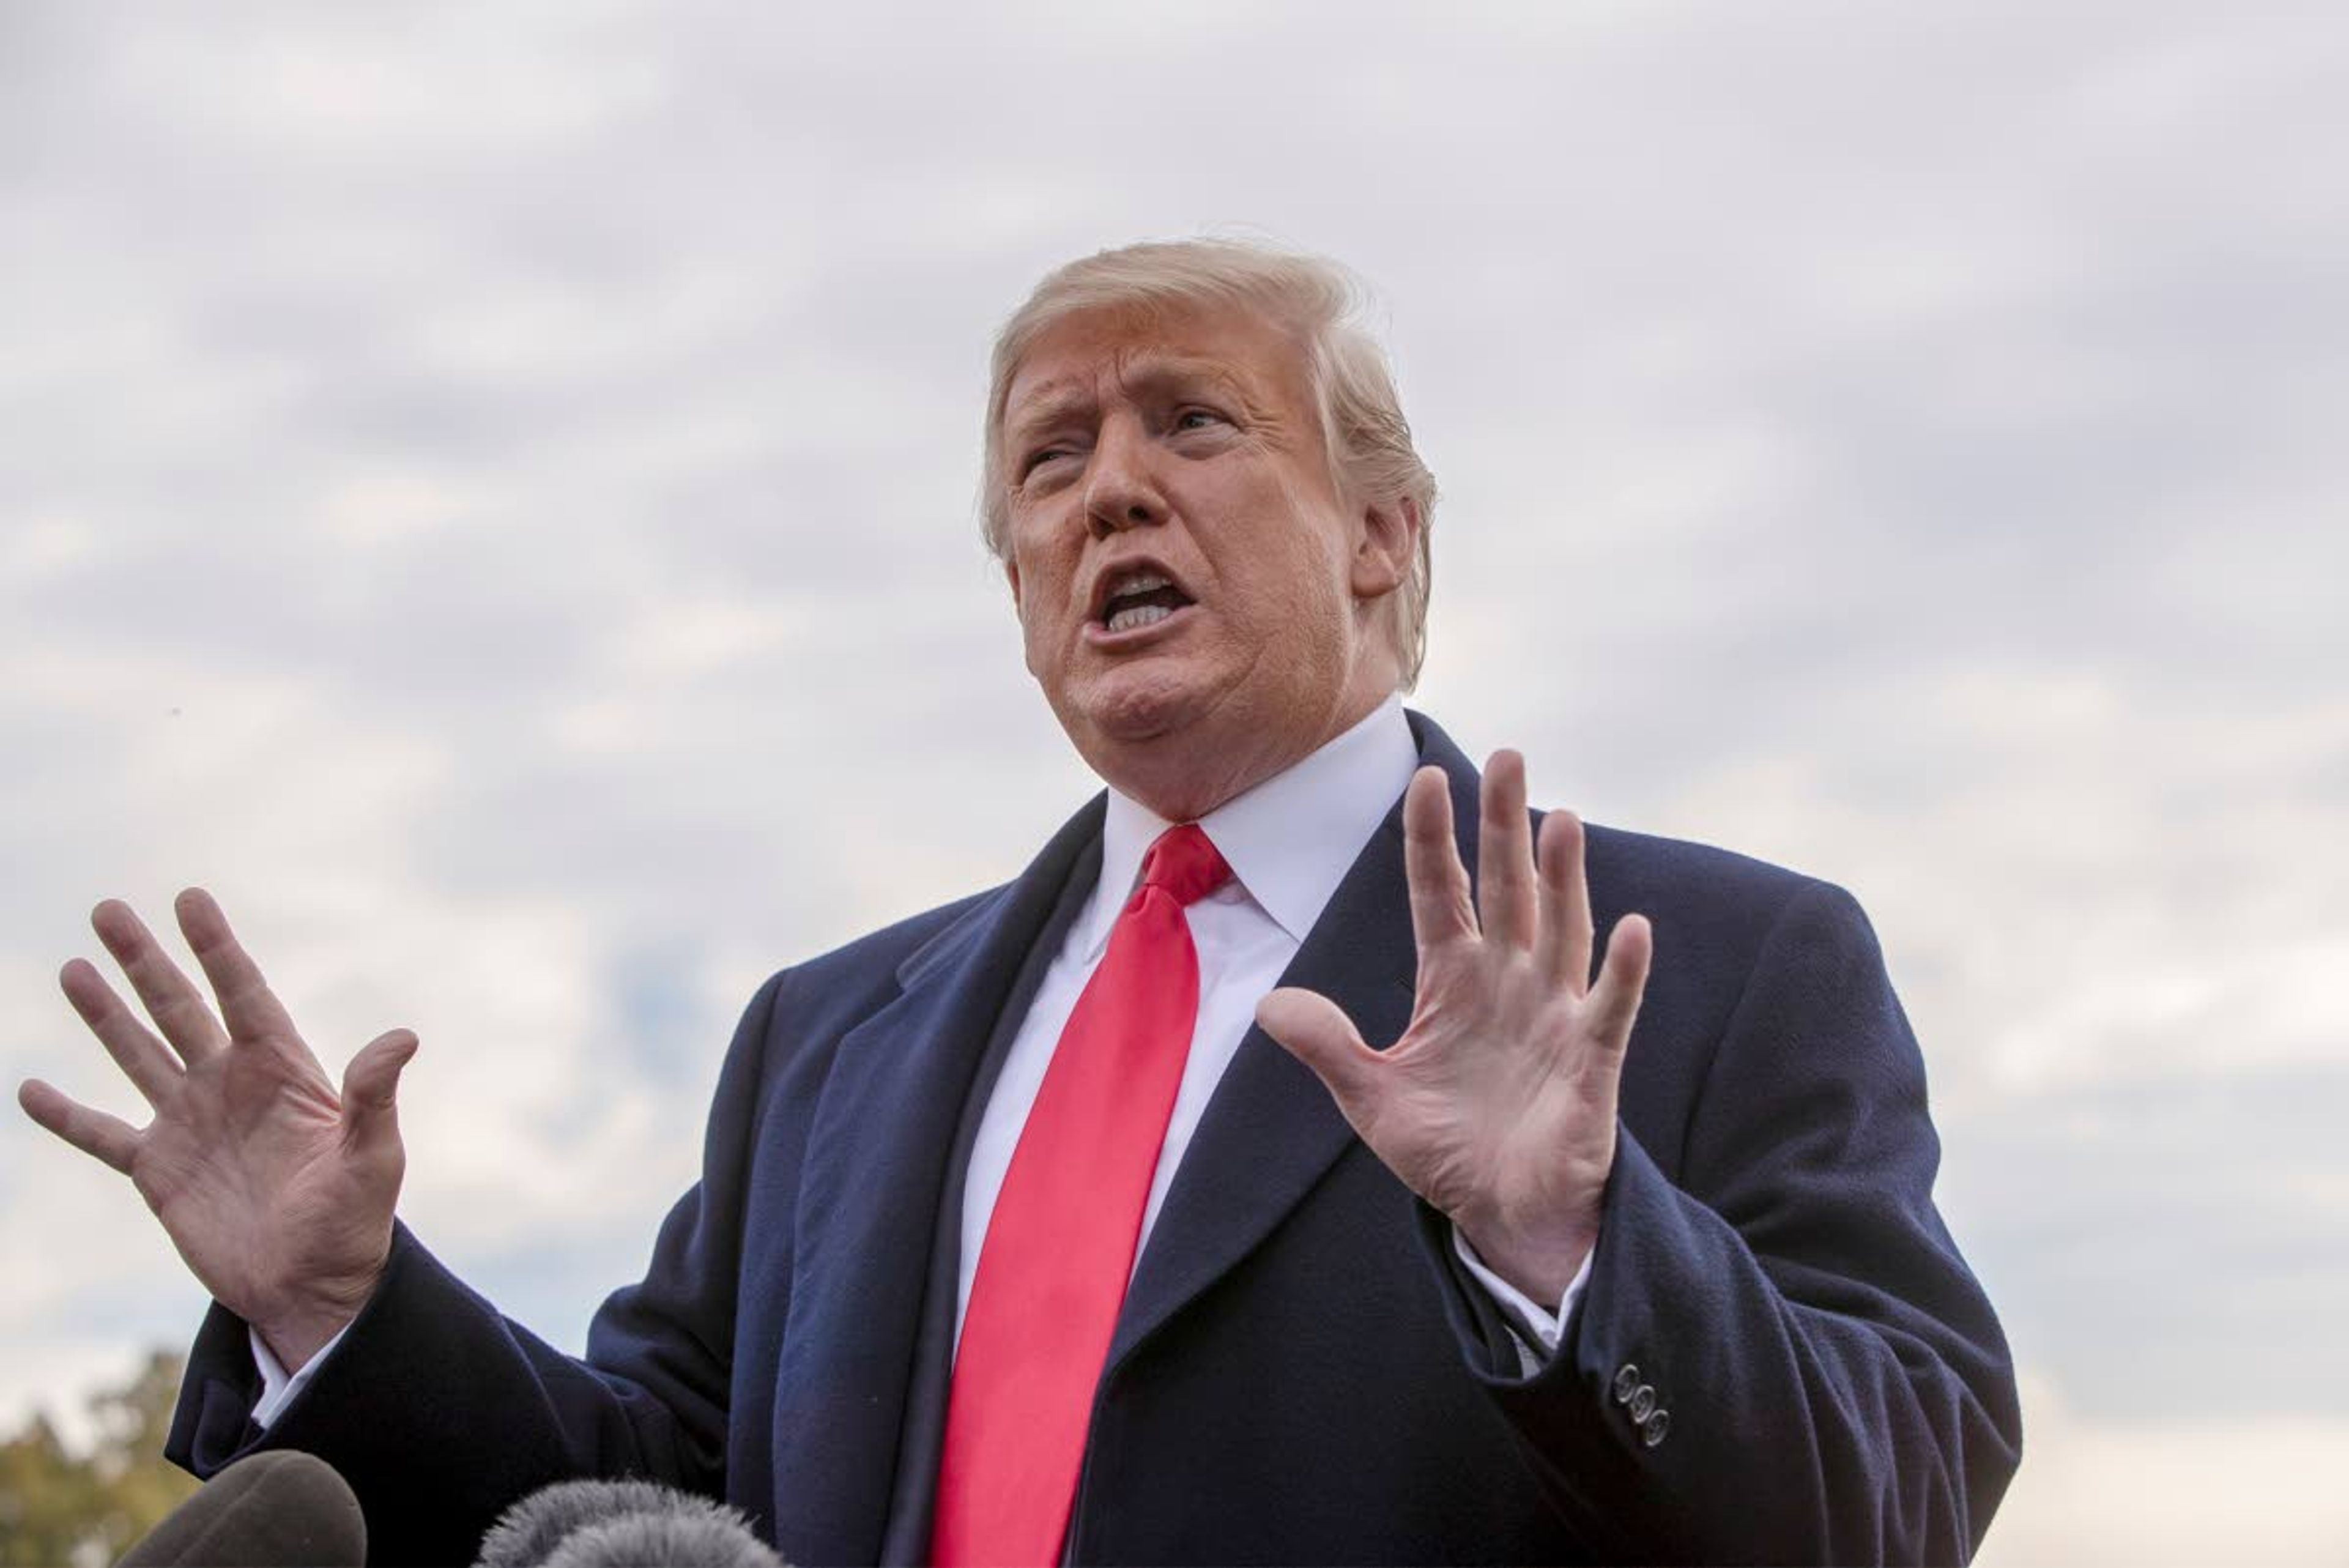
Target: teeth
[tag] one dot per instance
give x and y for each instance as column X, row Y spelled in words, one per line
column 1139, row 615
column 1143, row 582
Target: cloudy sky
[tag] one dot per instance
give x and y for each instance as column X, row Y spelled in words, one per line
column 487, row 491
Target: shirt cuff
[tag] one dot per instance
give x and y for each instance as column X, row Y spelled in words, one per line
column 279, row 1385
column 1535, row 1328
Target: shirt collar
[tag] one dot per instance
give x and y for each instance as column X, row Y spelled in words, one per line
column 1289, row 841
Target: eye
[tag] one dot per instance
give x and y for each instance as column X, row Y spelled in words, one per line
column 1039, row 458
column 1198, row 419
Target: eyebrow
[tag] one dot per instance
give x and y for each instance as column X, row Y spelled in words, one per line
column 1065, row 397
column 1054, row 401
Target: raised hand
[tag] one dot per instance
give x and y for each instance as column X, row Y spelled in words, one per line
column 277, row 1191
column 1497, row 1105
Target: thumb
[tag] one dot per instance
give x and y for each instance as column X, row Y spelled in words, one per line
column 371, row 1086
column 1317, row 1032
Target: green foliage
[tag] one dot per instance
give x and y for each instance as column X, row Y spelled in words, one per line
column 59, row 1507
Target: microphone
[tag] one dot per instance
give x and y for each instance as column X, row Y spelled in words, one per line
column 621, row 1524
column 277, row 1509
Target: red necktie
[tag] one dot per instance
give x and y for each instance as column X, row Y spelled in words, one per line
column 1059, row 1243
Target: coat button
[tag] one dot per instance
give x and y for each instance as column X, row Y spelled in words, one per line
column 1643, row 1403
column 1626, row 1381
column 1652, row 1430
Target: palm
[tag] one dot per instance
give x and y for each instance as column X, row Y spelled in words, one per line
column 247, row 1157
column 1497, row 1105
column 276, row 1190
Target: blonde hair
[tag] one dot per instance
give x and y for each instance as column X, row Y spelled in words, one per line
column 1362, row 425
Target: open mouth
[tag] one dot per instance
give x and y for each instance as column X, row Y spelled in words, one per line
column 1140, row 597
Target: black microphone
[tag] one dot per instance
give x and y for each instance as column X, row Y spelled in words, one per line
column 621, row 1524
column 276, row 1508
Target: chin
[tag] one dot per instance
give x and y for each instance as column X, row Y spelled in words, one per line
column 1137, row 706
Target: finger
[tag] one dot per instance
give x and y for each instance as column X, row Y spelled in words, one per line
column 150, row 1068
column 95, row 1133
column 1564, row 950
column 1317, row 1032
column 249, row 1008
column 170, row 998
column 1622, row 982
column 371, row 1088
column 1504, row 854
column 1441, row 910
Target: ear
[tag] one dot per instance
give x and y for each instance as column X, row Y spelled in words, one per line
column 1384, row 548
column 1011, row 576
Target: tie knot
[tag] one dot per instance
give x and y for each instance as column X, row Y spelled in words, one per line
column 1183, row 864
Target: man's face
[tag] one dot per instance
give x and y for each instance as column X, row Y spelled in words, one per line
column 1196, row 596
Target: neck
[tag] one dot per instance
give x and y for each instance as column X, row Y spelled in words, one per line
column 1182, row 780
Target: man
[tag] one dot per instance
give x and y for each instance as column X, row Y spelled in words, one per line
column 1015, row 1241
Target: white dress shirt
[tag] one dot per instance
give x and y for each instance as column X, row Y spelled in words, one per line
column 1289, row 842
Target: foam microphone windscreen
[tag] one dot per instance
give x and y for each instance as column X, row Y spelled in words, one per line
column 607, row 1524
column 709, row 1540
column 277, row 1509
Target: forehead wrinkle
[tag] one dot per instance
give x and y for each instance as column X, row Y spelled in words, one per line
column 1151, row 371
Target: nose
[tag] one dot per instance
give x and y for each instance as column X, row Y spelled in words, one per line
column 1120, row 490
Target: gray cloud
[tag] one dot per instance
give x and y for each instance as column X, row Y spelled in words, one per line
column 492, row 493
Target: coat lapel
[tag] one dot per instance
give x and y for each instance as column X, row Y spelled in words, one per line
column 873, row 1174
column 1271, row 1129
column 882, row 1132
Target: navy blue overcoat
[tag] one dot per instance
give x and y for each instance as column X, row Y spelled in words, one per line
column 1299, row 1374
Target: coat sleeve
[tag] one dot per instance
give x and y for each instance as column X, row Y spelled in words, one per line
column 1780, row 1356
column 441, row 1412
